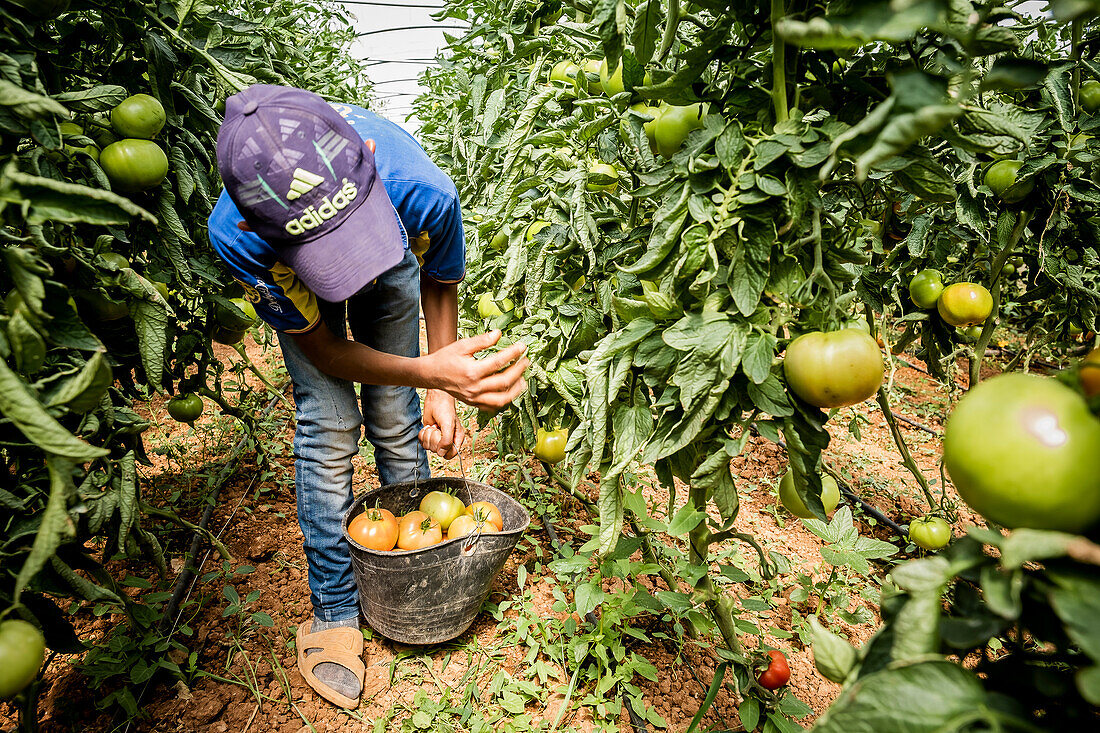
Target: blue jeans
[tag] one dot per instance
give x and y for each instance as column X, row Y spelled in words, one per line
column 386, row 317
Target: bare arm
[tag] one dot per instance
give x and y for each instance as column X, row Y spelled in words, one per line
column 443, row 432
column 488, row 383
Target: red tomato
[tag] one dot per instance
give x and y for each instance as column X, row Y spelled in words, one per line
column 417, row 530
column 375, row 529
column 485, row 511
column 778, row 672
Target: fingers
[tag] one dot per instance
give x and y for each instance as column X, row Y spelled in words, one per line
column 243, row 226
column 500, row 389
column 431, row 437
column 371, row 145
column 501, row 359
column 473, row 344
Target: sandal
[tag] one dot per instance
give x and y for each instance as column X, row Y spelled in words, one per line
column 342, row 646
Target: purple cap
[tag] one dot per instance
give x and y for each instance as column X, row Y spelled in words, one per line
column 306, row 183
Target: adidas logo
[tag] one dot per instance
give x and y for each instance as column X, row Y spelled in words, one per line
column 313, row 217
column 303, row 183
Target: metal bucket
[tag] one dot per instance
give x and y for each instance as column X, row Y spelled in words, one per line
column 434, row 594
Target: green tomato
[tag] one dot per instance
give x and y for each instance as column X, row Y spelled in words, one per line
column 564, row 72
column 499, row 240
column 591, row 67
column 603, row 170
column 1090, row 95
column 648, row 127
column 1001, row 176
column 185, row 407
column 930, row 532
column 1022, row 450
column 925, row 288
column 71, row 128
column 134, row 165
column 612, row 83
column 227, row 336
column 138, row 116
column 103, row 308
column 550, row 445
column 792, row 502
column 487, row 307
column 535, row 228
column 965, row 304
column 442, row 507
column 970, row 333
column 833, row 369
column 240, row 317
column 675, row 123
column 22, row 649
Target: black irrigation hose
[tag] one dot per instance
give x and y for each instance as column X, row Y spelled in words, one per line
column 636, row 721
column 188, row 571
column 914, row 424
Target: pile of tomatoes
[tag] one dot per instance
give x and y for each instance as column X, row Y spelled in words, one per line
column 441, row 517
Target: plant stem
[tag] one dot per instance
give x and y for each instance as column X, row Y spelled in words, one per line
column 177, row 519
column 672, row 22
column 779, row 66
column 720, row 606
column 995, row 291
column 903, row 447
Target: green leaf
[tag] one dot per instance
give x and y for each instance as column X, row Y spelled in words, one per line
column 834, row 657
column 56, row 201
column 55, row 525
column 84, row 390
column 95, row 99
column 28, row 104
column 686, row 519
column 873, row 21
column 19, row 404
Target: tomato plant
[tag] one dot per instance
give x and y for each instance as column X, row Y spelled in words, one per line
column 550, row 445
column 833, row 369
column 416, row 530
column 375, row 529
column 930, row 532
column 776, row 672
column 442, row 507
column 1021, row 449
column 22, row 649
column 487, row 512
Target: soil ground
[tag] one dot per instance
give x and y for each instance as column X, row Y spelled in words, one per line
column 249, row 680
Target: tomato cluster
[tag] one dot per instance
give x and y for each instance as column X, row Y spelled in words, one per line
column 135, row 163
column 960, row 304
column 441, row 517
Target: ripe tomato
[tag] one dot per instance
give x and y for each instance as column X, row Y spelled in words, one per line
column 1090, row 95
column 1090, row 373
column 1001, row 176
column 466, row 525
column 833, row 369
column 375, row 529
column 134, row 165
column 925, row 288
column 22, row 649
column 965, row 304
column 930, row 532
column 603, row 171
column 792, row 502
column 416, row 530
column 442, row 507
column 1022, row 450
column 138, row 116
column 777, row 673
column 185, row 407
column 550, row 445
column 485, row 511
column 241, row 317
column 672, row 127
column 564, row 72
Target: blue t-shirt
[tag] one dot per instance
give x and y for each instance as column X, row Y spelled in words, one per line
column 427, row 206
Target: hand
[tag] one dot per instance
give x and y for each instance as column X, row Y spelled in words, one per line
column 442, row 433
column 489, row 383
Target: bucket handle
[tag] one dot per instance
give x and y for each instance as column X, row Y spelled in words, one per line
column 471, row 542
